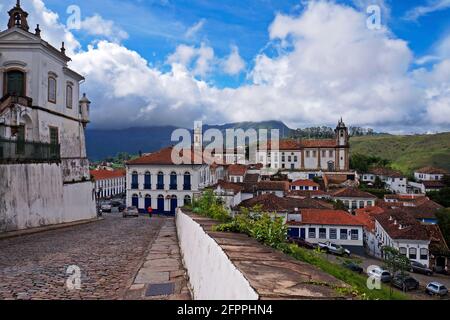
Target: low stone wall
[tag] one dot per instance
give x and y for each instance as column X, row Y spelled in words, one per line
column 231, row 266
column 33, row 195
column 212, row 275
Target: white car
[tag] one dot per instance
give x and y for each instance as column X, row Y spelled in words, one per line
column 106, row 207
column 436, row 288
column 334, row 249
column 380, row 274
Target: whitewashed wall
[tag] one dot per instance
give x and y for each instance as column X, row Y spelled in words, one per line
column 33, row 195
column 211, row 274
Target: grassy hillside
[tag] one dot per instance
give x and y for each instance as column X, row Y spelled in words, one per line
column 407, row 152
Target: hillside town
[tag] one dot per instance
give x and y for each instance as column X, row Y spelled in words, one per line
column 109, row 219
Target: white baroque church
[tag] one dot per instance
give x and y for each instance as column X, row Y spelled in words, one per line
column 44, row 170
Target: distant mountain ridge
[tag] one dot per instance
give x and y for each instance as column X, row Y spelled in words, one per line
column 104, row 143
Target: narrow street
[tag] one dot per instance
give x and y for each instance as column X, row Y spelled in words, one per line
column 108, row 254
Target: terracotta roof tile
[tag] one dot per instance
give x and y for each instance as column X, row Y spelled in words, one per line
column 237, row 170
column 273, row 203
column 327, row 217
column 305, row 183
column 380, row 171
column 431, row 170
column 107, row 174
column 401, row 225
column 353, row 193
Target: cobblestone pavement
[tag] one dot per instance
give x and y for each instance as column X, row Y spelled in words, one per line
column 162, row 275
column 108, row 252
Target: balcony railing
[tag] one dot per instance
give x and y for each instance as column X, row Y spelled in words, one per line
column 160, row 186
column 135, row 186
column 16, row 151
column 187, row 187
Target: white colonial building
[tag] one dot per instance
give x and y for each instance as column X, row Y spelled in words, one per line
column 109, row 183
column 43, row 163
column 430, row 174
column 153, row 180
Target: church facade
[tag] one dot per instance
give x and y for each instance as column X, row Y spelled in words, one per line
column 319, row 155
column 44, row 170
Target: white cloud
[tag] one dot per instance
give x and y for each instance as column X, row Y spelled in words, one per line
column 97, row 26
column 432, row 6
column 233, row 64
column 329, row 65
column 199, row 60
column 194, row 29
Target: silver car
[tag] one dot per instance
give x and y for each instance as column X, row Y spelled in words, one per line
column 130, row 212
column 380, row 274
column 436, row 288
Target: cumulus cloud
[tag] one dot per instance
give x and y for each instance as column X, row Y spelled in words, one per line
column 327, row 64
column 97, row 26
column 233, row 64
column 432, row 6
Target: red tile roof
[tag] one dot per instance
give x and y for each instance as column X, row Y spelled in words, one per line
column 431, row 170
column 307, row 193
column 353, row 193
column 401, row 225
column 305, row 183
column 367, row 216
column 327, row 217
column 380, row 171
column 161, row 157
column 107, row 174
column 237, row 170
column 272, row 186
column 273, row 203
column 236, row 188
column 433, row 184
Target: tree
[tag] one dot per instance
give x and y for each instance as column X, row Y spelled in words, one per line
column 442, row 197
column 378, row 184
column 395, row 262
column 443, row 217
column 339, row 205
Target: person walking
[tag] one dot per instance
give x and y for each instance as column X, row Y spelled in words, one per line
column 150, row 211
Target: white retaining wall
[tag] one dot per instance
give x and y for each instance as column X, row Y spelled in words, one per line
column 211, row 274
column 33, row 195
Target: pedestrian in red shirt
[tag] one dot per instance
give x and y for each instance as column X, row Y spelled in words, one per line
column 150, row 211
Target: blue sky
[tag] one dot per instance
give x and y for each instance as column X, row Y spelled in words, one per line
column 304, row 62
column 157, row 27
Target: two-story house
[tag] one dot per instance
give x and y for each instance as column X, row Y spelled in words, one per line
column 155, row 181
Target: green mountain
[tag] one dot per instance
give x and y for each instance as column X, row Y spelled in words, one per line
column 407, row 152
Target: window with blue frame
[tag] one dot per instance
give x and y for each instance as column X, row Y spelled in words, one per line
column 187, row 181
column 173, row 181
column 160, row 185
column 148, row 181
column 135, row 180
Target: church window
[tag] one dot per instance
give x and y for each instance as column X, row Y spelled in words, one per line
column 69, row 96
column 52, row 89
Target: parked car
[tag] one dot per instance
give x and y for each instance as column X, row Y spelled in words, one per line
column 405, row 282
column 122, row 207
column 420, row 268
column 436, row 288
column 106, row 207
column 302, row 243
column 381, row 274
column 353, row 267
column 131, row 212
column 334, row 249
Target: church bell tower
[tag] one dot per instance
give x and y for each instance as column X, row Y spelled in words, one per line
column 18, row 18
column 342, row 134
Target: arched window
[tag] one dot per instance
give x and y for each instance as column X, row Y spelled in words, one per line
column 135, row 201
column 134, row 180
column 69, row 96
column 423, row 254
column 187, row 200
column 173, row 181
column 187, row 181
column 15, row 83
column 52, row 88
column 403, row 251
column 160, row 185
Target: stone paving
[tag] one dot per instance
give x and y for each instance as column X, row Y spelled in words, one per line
column 162, row 275
column 108, row 253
